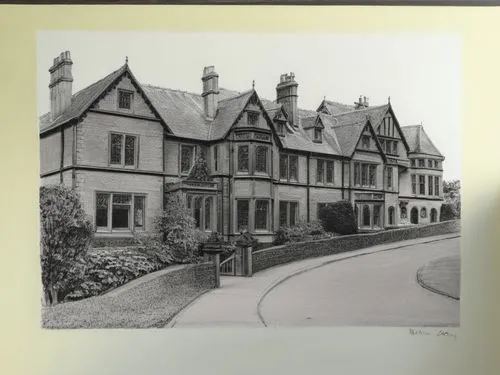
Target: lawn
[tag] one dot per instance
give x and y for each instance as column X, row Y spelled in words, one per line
column 147, row 302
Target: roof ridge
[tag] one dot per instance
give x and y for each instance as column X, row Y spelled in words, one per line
column 237, row 96
column 170, row 89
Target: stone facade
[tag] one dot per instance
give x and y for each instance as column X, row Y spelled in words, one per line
column 123, row 146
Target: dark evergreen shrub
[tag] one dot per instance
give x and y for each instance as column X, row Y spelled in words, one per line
column 338, row 217
column 448, row 212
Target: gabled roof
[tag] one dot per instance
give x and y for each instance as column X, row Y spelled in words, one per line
column 228, row 111
column 334, row 108
column 182, row 111
column 418, row 140
column 80, row 101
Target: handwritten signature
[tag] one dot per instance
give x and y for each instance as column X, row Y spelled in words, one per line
column 439, row 333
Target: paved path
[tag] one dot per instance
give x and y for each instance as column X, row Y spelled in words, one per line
column 265, row 299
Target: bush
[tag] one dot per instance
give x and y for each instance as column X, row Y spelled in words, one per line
column 108, row 268
column 339, row 218
column 449, row 211
column 301, row 231
column 66, row 234
column 177, row 232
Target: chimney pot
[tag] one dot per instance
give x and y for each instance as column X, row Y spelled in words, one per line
column 286, row 94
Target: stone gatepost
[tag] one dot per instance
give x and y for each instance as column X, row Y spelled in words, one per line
column 212, row 251
column 243, row 254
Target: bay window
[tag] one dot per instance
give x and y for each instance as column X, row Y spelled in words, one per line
column 119, row 211
column 201, row 208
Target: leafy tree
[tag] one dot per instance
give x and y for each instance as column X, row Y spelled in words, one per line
column 338, row 217
column 452, row 196
column 66, row 234
column 177, row 229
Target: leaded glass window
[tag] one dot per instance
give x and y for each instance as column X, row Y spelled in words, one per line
column 436, row 185
column 253, row 118
column 414, row 184
column 376, row 215
column 130, row 150
column 373, row 175
column 261, row 214
column 329, row 172
column 389, row 178
column 124, row 99
column 283, row 213
column 116, row 149
column 294, row 209
column 294, row 161
column 430, row 185
column 138, row 212
column 261, row 159
column 283, row 166
column 187, row 158
column 421, row 182
column 243, row 158
column 242, row 214
column 320, row 170
column 356, row 174
column 364, row 174
column 102, row 204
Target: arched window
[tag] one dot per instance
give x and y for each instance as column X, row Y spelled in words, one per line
column 391, row 215
column 366, row 215
column 414, row 215
column 423, row 212
column 434, row 215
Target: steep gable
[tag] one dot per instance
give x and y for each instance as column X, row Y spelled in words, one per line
column 419, row 141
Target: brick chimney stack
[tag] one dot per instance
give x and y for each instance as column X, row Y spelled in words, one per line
column 362, row 103
column 286, row 94
column 61, row 84
column 210, row 93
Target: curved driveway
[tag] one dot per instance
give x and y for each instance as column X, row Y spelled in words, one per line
column 373, row 286
column 378, row 289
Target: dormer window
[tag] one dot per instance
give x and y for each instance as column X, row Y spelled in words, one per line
column 252, row 118
column 124, row 99
column 318, row 136
column 280, row 128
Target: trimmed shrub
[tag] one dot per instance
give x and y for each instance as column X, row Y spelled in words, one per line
column 448, row 212
column 338, row 217
column 301, row 231
column 66, row 234
column 176, row 229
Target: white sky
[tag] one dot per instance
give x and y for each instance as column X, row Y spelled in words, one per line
column 420, row 72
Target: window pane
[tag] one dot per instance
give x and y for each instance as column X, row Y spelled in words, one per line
column 243, row 158
column 319, row 170
column 216, row 157
column 102, row 204
column 253, row 118
column 294, row 161
column 283, row 213
column 116, row 149
column 329, row 171
column 129, row 150
column 414, row 184
column 187, row 156
column 261, row 159
column 395, row 148
column 243, row 208
column 122, row 198
column 389, row 177
column 366, row 216
column 430, row 186
column 124, row 99
column 356, row 174
column 294, row 209
column 421, row 180
column 139, row 212
column 208, row 213
column 412, row 162
column 391, row 215
column 376, row 215
column 436, row 185
column 261, row 210
column 197, row 211
column 317, row 134
column 283, row 166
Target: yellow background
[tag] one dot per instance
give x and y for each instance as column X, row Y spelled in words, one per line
column 27, row 349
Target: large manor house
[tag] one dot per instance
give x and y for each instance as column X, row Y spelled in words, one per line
column 240, row 162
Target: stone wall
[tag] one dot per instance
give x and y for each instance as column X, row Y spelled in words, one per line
column 274, row 256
